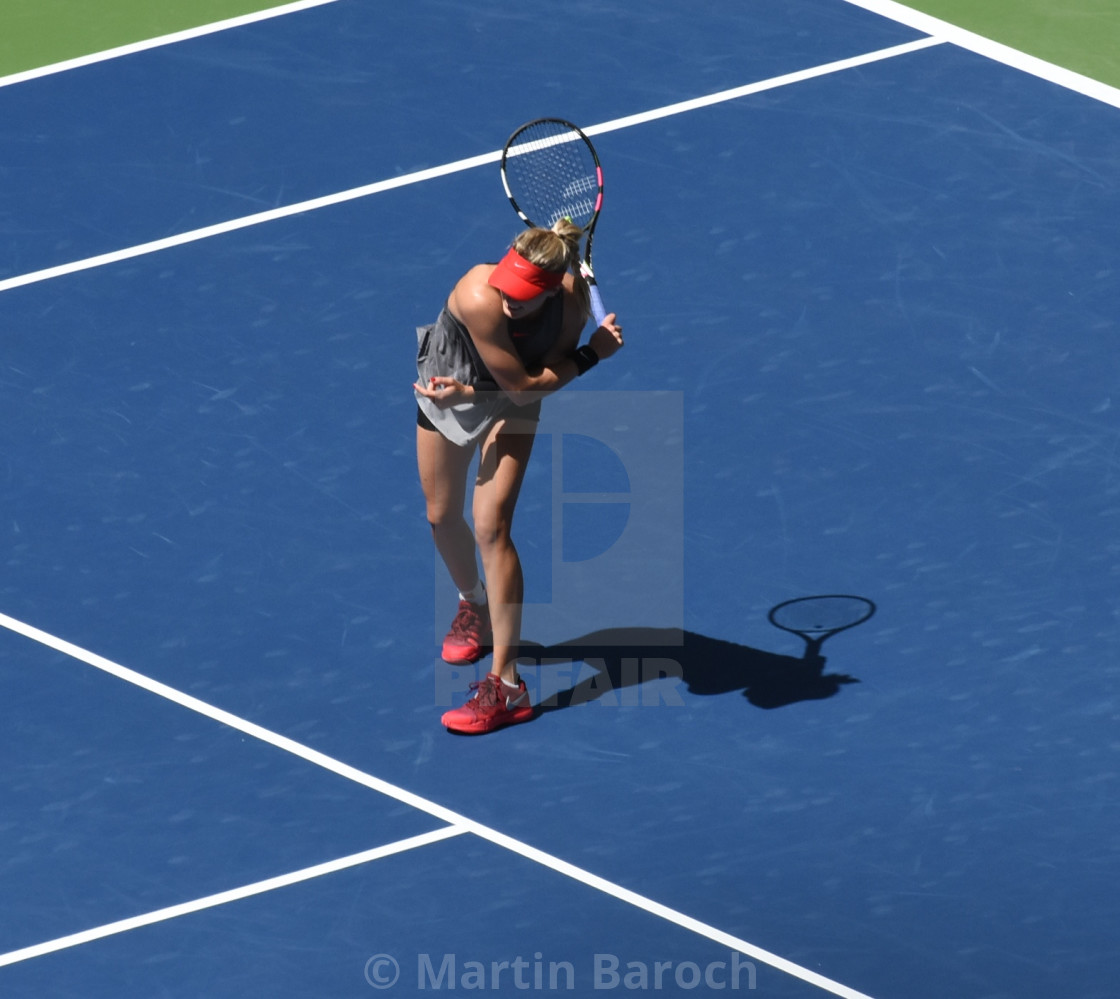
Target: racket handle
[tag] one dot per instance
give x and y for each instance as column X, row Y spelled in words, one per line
column 597, row 309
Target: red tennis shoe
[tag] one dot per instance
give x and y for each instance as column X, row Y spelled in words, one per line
column 469, row 635
column 494, row 704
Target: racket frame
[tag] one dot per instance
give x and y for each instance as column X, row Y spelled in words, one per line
column 577, row 135
column 817, row 635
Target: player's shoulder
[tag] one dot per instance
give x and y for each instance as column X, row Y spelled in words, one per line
column 475, row 284
column 473, row 299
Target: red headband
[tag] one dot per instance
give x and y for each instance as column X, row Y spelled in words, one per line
column 521, row 279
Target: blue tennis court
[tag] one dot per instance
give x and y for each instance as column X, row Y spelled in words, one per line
column 868, row 277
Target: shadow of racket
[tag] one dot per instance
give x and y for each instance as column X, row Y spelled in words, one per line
column 816, row 619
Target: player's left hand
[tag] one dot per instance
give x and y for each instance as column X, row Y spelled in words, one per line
column 445, row 391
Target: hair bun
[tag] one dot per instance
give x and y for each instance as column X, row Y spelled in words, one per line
column 572, row 235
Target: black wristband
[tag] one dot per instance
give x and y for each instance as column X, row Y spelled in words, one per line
column 585, row 358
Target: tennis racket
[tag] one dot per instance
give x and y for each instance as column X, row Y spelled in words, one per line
column 817, row 618
column 551, row 171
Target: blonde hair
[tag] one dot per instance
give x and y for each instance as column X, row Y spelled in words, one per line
column 556, row 249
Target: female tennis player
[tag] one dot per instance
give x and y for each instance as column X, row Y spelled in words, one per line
column 507, row 337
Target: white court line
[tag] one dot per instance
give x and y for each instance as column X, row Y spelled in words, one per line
column 153, row 43
column 785, row 80
column 286, row 211
column 225, row 897
column 454, row 821
column 221, row 228
column 990, row 49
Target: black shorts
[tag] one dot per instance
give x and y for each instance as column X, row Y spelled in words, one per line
column 422, row 420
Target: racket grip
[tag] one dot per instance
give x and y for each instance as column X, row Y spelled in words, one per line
column 597, row 309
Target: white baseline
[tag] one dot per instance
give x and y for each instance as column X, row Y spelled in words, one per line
column 155, row 43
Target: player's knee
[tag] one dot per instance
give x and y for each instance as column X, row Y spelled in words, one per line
column 441, row 519
column 490, row 531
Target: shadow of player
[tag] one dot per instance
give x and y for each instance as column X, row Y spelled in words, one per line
column 623, row 658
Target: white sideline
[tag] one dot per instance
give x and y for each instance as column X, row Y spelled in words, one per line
column 454, row 822
column 991, row 49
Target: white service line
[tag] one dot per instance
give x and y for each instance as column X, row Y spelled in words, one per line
column 455, row 823
column 286, row 211
column 153, row 43
column 225, row 897
column 990, row 49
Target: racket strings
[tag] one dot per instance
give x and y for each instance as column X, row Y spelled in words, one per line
column 552, row 175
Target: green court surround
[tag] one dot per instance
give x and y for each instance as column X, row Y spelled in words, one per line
column 1081, row 36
